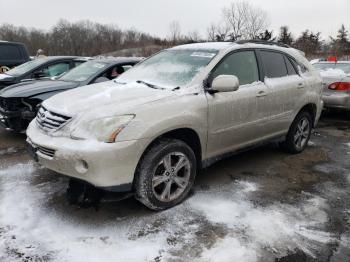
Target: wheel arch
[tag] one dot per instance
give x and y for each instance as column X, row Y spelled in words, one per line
column 310, row 108
column 187, row 135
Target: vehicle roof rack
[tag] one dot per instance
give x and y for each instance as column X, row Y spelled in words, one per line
column 262, row 42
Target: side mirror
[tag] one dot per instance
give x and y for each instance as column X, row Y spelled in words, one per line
column 225, row 83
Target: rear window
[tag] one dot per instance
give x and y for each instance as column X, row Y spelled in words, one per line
column 274, row 64
column 10, row 52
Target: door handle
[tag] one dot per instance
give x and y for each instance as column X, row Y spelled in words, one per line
column 261, row 94
column 301, row 85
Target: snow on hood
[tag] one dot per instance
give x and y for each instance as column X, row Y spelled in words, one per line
column 104, row 98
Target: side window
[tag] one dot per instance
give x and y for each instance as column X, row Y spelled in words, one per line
column 10, row 52
column 290, row 67
column 241, row 64
column 274, row 64
column 301, row 68
column 56, row 69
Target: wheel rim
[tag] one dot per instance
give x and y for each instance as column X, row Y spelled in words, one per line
column 171, row 177
column 302, row 133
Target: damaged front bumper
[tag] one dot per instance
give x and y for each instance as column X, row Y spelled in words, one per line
column 110, row 166
column 16, row 120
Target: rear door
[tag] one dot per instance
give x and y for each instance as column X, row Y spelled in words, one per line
column 286, row 86
column 237, row 118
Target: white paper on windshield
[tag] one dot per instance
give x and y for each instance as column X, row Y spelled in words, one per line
column 203, row 54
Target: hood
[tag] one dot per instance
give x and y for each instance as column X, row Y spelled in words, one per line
column 6, row 78
column 32, row 88
column 104, row 99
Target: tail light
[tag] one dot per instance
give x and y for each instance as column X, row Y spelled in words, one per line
column 340, row 86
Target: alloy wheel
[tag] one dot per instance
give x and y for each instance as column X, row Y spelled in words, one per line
column 171, row 176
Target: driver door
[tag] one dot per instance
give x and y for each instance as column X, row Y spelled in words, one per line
column 236, row 119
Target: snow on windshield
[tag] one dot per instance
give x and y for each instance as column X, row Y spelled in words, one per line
column 26, row 67
column 84, row 71
column 171, row 68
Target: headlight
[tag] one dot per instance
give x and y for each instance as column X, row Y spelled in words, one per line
column 103, row 129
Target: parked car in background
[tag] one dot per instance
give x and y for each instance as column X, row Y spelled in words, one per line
column 152, row 128
column 39, row 68
column 12, row 54
column 19, row 103
column 336, row 79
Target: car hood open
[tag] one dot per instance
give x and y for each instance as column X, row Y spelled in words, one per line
column 32, row 88
column 103, row 99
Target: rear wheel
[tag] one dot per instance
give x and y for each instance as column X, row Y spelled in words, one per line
column 299, row 133
column 166, row 174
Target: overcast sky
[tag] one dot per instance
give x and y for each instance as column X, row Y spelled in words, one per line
column 154, row 16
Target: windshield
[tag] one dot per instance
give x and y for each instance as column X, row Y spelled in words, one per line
column 170, row 68
column 84, row 71
column 26, row 67
column 345, row 67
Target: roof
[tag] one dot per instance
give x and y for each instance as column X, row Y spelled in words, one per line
column 218, row 46
column 204, row 46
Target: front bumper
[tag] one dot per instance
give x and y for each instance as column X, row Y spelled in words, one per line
column 16, row 120
column 104, row 165
column 340, row 100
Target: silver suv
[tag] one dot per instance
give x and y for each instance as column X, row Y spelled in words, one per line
column 151, row 130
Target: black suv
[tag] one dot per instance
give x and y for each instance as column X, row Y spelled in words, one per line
column 11, row 55
column 40, row 67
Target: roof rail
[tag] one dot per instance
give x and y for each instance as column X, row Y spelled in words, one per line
column 262, row 42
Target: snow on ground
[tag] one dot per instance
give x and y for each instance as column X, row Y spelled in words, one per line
column 32, row 225
column 9, row 150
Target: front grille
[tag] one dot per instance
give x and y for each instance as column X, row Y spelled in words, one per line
column 10, row 104
column 50, row 121
column 46, row 151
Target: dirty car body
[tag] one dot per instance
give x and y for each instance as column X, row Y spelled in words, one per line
column 19, row 103
column 336, row 80
column 188, row 105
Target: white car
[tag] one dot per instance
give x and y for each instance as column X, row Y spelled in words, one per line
column 151, row 130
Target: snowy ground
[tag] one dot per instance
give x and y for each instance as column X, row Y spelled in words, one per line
column 263, row 205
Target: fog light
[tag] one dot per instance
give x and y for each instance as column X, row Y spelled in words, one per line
column 81, row 166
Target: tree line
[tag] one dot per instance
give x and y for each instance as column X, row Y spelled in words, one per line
column 83, row 38
column 239, row 21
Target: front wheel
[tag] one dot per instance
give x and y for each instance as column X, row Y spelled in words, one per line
column 299, row 133
column 165, row 174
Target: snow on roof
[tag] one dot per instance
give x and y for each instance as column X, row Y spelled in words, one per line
column 205, row 46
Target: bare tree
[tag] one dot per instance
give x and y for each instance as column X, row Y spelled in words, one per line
column 217, row 32
column 242, row 21
column 193, row 37
column 174, row 32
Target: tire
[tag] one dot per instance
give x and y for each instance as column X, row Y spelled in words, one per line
column 158, row 185
column 298, row 136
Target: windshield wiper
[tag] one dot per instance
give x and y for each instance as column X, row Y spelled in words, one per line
column 150, row 85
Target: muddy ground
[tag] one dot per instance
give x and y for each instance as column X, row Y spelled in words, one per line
column 262, row 205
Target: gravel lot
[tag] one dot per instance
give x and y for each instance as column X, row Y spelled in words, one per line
column 262, row 205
